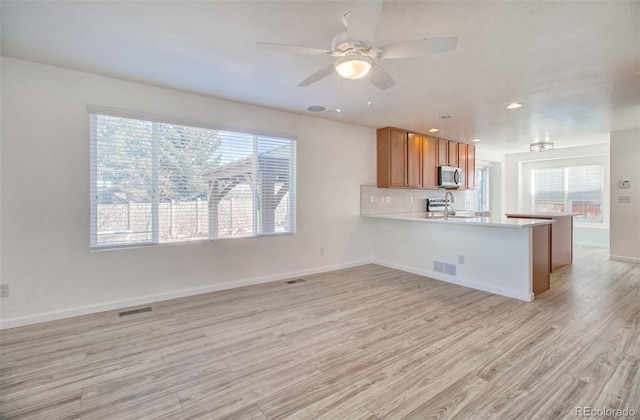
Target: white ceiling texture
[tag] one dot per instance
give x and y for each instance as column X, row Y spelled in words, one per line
column 574, row 65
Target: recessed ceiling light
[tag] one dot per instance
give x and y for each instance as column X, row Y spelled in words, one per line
column 338, row 110
column 433, row 130
column 316, row 108
column 514, row 105
column 475, row 140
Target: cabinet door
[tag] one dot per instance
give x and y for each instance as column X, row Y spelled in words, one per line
column 414, row 160
column 471, row 167
column 462, row 163
column 443, row 152
column 429, row 162
column 453, row 153
column 398, row 158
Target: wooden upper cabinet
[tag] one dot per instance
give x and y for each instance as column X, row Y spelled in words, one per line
column 453, row 153
column 429, row 162
column 443, row 152
column 447, row 152
column 471, row 167
column 398, row 158
column 410, row 160
column 414, row 160
column 462, row 162
column 391, row 150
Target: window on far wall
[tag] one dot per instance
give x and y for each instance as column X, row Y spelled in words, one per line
column 575, row 189
column 157, row 182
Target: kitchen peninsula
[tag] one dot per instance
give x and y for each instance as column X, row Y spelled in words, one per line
column 561, row 236
column 509, row 257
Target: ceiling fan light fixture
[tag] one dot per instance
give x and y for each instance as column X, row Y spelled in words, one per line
column 353, row 66
column 540, row 146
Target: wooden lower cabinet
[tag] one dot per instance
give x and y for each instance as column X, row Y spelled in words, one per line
column 561, row 242
column 541, row 259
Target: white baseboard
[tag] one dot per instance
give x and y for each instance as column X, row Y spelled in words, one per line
column 147, row 299
column 527, row 297
column 591, row 244
column 624, row 259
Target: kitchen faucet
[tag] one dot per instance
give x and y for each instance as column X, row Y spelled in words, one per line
column 446, row 204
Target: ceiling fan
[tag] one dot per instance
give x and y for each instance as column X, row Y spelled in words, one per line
column 355, row 49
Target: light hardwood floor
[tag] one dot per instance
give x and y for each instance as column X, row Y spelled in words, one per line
column 362, row 343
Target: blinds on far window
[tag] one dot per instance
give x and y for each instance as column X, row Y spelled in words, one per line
column 575, row 189
column 157, row 182
column 584, row 183
column 549, row 184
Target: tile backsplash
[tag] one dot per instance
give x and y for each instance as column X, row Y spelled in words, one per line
column 374, row 200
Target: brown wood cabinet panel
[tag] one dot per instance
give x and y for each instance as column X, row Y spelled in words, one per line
column 453, row 153
column 398, row 158
column 443, row 152
column 414, row 160
column 541, row 259
column 429, row 162
column 391, row 157
column 471, row 167
column 462, row 162
column 410, row 160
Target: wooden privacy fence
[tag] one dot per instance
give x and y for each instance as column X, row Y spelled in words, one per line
column 181, row 220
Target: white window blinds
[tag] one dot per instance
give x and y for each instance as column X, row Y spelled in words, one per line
column 576, row 189
column 156, row 182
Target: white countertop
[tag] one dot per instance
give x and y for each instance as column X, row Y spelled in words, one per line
column 501, row 222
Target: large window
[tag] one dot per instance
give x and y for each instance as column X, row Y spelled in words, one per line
column 156, row 182
column 575, row 189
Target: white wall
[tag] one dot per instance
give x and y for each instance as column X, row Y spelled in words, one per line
column 45, row 199
column 625, row 222
column 517, row 183
column 496, row 260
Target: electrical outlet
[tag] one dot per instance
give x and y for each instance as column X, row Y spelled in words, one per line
column 371, row 199
column 321, row 251
column 4, row 290
column 460, row 259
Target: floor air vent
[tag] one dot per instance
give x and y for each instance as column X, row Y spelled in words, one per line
column 444, row 267
column 296, row 281
column 134, row 311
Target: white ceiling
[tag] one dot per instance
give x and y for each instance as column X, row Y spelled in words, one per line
column 575, row 65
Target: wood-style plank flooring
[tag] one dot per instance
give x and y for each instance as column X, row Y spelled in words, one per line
column 362, row 343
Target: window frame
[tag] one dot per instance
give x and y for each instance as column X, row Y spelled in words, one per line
column 258, row 135
column 525, row 182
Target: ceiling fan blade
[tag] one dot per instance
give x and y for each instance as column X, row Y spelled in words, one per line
column 380, row 78
column 363, row 20
column 291, row 49
column 320, row 74
column 419, row 47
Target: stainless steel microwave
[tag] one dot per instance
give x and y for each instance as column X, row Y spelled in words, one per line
column 449, row 176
